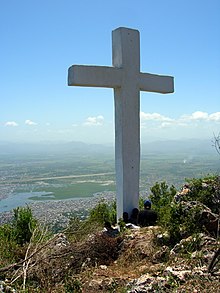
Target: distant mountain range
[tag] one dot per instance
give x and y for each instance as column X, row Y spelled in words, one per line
column 197, row 146
column 52, row 148
column 169, row 146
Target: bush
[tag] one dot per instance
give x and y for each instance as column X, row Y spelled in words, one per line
column 78, row 230
column 206, row 190
column 183, row 222
column 23, row 225
column 161, row 197
column 8, row 246
column 103, row 212
column 162, row 194
column 183, row 219
column 14, row 235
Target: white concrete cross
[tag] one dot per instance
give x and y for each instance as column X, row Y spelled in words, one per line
column 127, row 80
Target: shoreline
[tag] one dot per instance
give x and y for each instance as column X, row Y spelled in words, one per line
column 58, row 212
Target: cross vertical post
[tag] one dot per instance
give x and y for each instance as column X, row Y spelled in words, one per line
column 126, row 55
column 127, row 81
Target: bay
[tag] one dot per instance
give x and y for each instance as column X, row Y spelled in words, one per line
column 15, row 200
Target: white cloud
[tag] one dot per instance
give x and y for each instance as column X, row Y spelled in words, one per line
column 94, row 121
column 154, row 116
column 11, row 123
column 214, row 116
column 165, row 124
column 195, row 119
column 198, row 115
column 29, row 122
column 201, row 116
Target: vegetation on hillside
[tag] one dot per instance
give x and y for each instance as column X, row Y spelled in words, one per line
column 180, row 213
column 34, row 260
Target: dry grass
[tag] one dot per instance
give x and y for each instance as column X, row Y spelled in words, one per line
column 47, row 265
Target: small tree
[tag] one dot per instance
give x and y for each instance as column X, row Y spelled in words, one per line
column 103, row 212
column 162, row 194
column 161, row 197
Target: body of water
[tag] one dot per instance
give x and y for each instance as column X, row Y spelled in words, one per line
column 20, row 199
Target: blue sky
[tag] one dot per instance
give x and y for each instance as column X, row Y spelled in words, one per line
column 40, row 39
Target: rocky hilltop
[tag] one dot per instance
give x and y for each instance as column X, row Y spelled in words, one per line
column 178, row 256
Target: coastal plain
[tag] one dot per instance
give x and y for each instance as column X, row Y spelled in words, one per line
column 47, row 178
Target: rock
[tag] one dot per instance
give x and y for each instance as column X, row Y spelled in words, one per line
column 147, row 283
column 61, row 241
column 96, row 284
column 179, row 272
column 210, row 221
column 205, row 217
column 87, row 263
column 103, row 267
column 180, row 195
column 201, row 242
column 163, row 238
column 161, row 254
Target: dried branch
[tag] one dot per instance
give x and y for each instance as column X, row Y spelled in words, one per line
column 20, row 263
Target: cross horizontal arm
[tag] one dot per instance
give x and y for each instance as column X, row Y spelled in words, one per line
column 94, row 76
column 156, row 83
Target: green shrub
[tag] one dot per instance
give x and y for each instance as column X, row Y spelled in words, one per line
column 206, row 190
column 15, row 234
column 183, row 223
column 141, row 202
column 78, row 230
column 23, row 225
column 161, row 197
column 182, row 219
column 103, row 212
column 8, row 245
column 162, row 194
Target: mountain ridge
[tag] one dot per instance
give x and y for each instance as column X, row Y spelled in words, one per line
column 164, row 146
